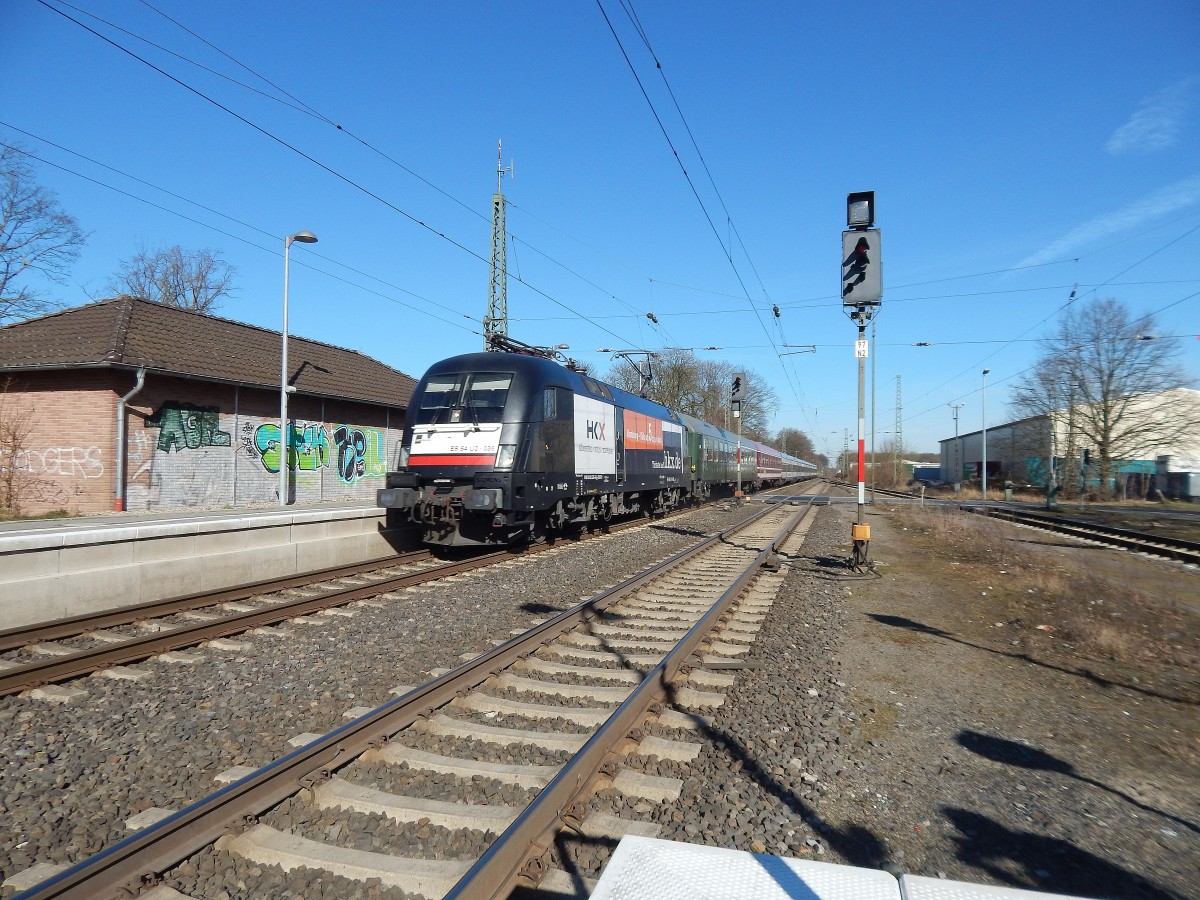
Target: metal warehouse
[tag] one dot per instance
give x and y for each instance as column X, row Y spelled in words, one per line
column 1163, row 441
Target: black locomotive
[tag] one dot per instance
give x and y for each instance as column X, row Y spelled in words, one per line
column 500, row 448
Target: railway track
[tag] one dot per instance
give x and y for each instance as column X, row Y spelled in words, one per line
column 108, row 641
column 568, row 698
column 1125, row 539
column 66, row 649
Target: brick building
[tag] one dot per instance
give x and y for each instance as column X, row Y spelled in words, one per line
column 130, row 404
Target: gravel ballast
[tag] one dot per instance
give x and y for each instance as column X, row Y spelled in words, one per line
column 72, row 774
column 867, row 726
column 890, row 722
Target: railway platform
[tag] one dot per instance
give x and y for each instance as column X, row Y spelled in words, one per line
column 644, row 868
column 55, row 568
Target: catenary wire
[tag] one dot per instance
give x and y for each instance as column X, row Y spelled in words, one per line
column 301, row 106
column 336, row 174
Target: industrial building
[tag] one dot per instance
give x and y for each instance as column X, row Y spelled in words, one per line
column 1163, row 441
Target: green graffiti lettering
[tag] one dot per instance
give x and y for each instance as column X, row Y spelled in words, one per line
column 184, row 425
column 308, row 449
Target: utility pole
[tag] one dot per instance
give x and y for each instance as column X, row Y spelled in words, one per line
column 495, row 323
column 957, row 449
column 983, row 465
column 862, row 294
column 899, row 435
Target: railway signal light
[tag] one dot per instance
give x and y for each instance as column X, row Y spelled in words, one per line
column 737, row 387
column 861, row 282
column 860, row 209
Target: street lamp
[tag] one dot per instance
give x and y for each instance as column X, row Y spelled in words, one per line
column 304, row 237
column 984, row 420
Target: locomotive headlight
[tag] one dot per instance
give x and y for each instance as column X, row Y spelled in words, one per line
column 505, row 456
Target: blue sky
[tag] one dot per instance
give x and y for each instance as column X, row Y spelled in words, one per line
column 1015, row 149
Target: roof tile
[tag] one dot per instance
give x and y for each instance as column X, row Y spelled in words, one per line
column 129, row 332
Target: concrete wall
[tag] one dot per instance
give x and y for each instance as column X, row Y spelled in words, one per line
column 49, row 575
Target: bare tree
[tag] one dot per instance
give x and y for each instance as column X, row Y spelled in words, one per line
column 796, row 443
column 1100, row 380
column 1047, row 393
column 198, row 281
column 700, row 388
column 35, row 235
column 16, row 424
column 669, row 377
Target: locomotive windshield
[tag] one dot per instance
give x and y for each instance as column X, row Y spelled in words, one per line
column 463, row 397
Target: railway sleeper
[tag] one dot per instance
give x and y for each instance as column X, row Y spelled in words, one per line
column 338, row 793
column 525, row 776
column 268, row 846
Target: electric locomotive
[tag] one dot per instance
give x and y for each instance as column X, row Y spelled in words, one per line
column 501, row 448
column 504, row 447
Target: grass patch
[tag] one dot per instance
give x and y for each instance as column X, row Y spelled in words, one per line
column 1090, row 616
column 52, row 514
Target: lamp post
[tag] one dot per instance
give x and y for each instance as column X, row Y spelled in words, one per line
column 285, row 438
column 983, row 469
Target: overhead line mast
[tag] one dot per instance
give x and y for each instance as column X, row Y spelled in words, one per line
column 495, row 323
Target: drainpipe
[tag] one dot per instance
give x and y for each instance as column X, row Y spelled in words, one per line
column 119, row 492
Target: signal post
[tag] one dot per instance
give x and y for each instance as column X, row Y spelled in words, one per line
column 735, row 402
column 862, row 295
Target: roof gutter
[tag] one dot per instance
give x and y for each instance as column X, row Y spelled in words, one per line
column 119, row 489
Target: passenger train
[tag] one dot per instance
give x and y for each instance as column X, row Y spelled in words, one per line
column 502, row 448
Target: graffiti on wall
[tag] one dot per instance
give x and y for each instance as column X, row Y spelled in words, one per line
column 201, row 456
column 185, row 425
column 308, row 449
column 360, row 452
column 66, row 462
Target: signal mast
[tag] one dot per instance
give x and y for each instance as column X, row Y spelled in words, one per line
column 862, row 295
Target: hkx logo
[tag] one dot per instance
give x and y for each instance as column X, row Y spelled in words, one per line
column 595, row 430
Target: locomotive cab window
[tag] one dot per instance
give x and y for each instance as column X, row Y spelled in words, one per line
column 486, row 395
column 464, row 397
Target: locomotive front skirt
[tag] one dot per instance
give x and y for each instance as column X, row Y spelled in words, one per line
column 500, row 448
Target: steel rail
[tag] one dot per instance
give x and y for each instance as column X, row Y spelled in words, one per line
column 1173, row 548
column 136, row 862
column 515, row 858
column 15, row 638
column 62, row 668
column 137, row 648
column 73, row 626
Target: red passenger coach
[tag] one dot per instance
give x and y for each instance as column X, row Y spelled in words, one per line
column 769, row 468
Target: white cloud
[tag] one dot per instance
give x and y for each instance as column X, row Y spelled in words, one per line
column 1156, row 124
column 1179, row 195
